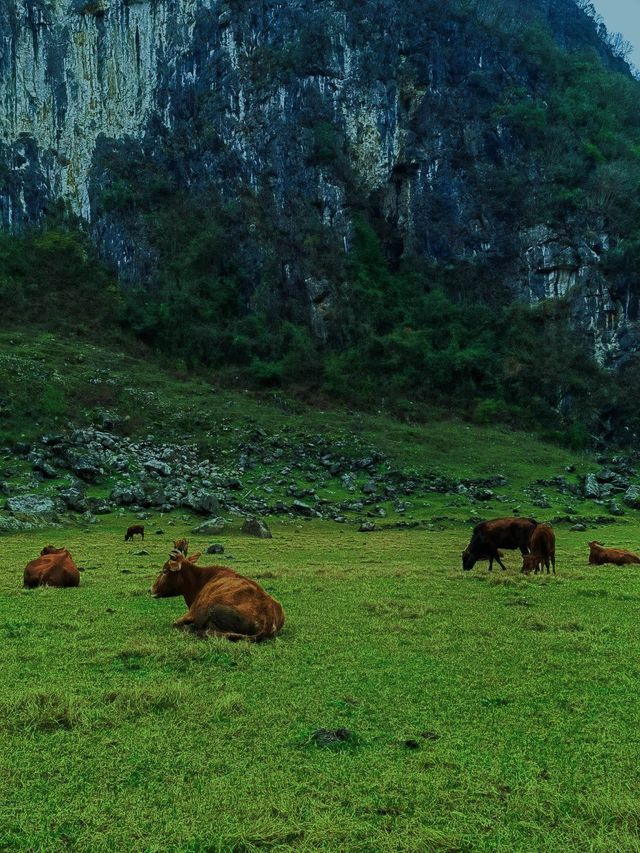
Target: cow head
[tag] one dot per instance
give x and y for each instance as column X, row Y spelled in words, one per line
column 595, row 544
column 468, row 559
column 170, row 581
column 529, row 563
column 51, row 549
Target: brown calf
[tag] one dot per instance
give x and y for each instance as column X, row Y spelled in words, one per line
column 181, row 545
column 543, row 550
column 488, row 536
column 54, row 567
column 221, row 602
column 134, row 530
column 598, row 555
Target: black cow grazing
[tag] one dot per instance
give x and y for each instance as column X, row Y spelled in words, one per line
column 488, row 536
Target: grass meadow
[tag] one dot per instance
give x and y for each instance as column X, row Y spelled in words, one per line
column 486, row 711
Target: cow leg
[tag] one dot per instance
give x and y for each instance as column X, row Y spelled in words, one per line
column 227, row 620
column 490, row 564
column 496, row 556
column 183, row 621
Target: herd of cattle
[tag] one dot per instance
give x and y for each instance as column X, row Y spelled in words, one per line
column 225, row 604
column 537, row 544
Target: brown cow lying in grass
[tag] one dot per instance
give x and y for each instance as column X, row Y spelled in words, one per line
column 134, row 530
column 598, row 555
column 221, row 602
column 543, row 550
column 54, row 567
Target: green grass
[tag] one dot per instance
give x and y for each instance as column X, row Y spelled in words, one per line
column 82, row 379
column 121, row 733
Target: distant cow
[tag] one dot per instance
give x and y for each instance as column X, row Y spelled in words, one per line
column 181, row 545
column 221, row 602
column 598, row 555
column 488, row 536
column 54, row 567
column 543, row 550
column 134, row 530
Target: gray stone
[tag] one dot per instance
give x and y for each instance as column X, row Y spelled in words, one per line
column 157, row 466
column 578, row 528
column 211, row 527
column 202, row 502
column 31, row 505
column 615, row 508
column 256, row 527
column 483, row 494
column 74, row 499
column 591, row 487
column 215, row 549
column 632, row 497
column 124, row 495
column 13, row 525
column 303, row 509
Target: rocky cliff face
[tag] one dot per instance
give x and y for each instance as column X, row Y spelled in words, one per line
column 312, row 108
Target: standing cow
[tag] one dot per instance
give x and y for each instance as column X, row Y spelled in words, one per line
column 543, row 550
column 134, row 530
column 488, row 536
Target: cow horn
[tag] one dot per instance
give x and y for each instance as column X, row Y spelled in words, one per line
column 175, row 554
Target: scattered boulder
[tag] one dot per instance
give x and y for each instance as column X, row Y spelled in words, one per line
column 86, row 467
column 204, row 503
column 124, row 495
column 303, row 509
column 256, row 527
column 211, row 527
column 367, row 527
column 578, row 528
column 331, row 737
column 632, row 497
column 483, row 494
column 74, row 499
column 9, row 524
column 157, row 466
column 216, row 548
column 30, row 505
column 45, row 469
column 591, row 487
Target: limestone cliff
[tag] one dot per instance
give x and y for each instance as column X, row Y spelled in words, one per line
column 319, row 107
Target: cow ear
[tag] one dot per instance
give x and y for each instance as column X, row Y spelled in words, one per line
column 193, row 558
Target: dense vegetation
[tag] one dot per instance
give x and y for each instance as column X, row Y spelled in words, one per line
column 400, row 332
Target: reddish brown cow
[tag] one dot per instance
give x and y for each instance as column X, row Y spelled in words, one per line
column 598, row 555
column 181, row 545
column 134, row 530
column 488, row 536
column 54, row 567
column 543, row 550
column 221, row 602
